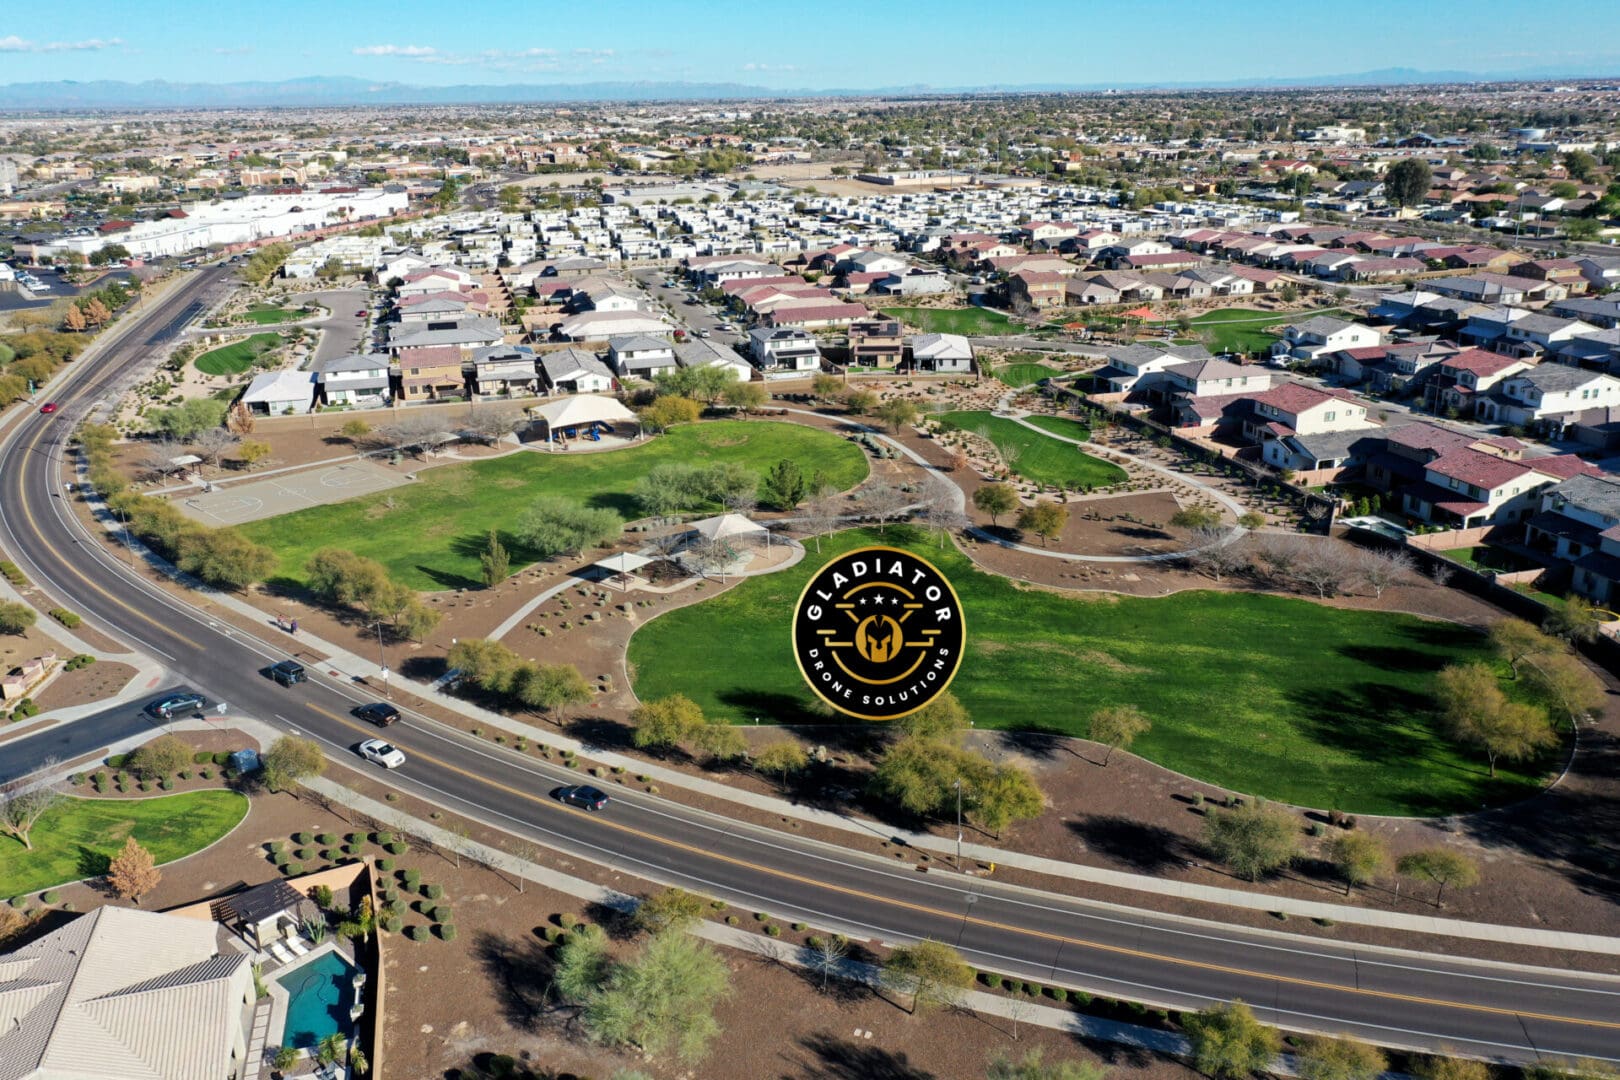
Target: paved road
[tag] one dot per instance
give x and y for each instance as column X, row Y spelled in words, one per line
column 1398, row 998
column 695, row 316
column 69, row 741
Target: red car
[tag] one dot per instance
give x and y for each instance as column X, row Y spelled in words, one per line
column 361, row 313
column 48, row 408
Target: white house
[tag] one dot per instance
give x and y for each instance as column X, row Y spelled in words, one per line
column 1140, row 368
column 1321, row 335
column 276, row 393
column 355, row 379
column 575, row 371
column 640, row 355
column 777, row 349
column 943, row 353
column 1548, row 395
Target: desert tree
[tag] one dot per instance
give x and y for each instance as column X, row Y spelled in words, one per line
column 1359, row 857
column 930, row 973
column 1229, row 1043
column 1253, row 840
column 24, row 802
column 781, row 757
column 1380, row 570
column 1516, row 641
column 1322, row 1057
column 1443, row 866
column 995, row 500
column 827, row 956
column 1116, row 728
column 1215, row 553
column 132, row 873
column 884, row 503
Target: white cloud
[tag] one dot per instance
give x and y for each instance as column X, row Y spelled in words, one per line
column 593, row 52
column 770, row 67
column 414, row 52
column 13, row 43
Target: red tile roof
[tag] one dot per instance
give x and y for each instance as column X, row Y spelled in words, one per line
column 1485, row 471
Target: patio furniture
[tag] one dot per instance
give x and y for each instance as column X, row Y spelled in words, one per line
column 298, row 947
column 280, row 952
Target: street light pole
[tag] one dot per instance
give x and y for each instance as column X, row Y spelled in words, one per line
column 959, row 825
column 382, row 661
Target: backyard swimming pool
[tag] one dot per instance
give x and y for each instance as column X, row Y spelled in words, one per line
column 320, row 995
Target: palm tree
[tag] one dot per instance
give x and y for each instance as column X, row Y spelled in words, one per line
column 330, row 1049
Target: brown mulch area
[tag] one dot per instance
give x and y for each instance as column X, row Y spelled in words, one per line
column 776, row 1023
column 102, row 679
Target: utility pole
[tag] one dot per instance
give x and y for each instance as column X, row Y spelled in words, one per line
column 382, row 661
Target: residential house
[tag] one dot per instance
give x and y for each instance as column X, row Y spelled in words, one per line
column 431, row 373
column 444, row 307
column 1462, row 379
column 119, row 992
column 1600, row 271
column 876, row 343
column 1407, row 449
column 1565, row 272
column 1319, row 336
column 914, row 282
column 640, row 356
column 603, row 325
column 706, row 352
column 1327, row 457
column 1603, row 311
column 505, row 369
column 783, row 349
column 1465, row 488
column 1297, row 409
column 280, row 393
column 1396, row 367
column 1036, row 289
column 1139, row 370
column 1579, row 524
column 942, row 353
column 355, row 379
column 463, row 335
column 574, row 371
column 1208, row 377
column 1547, row 397
column 814, row 316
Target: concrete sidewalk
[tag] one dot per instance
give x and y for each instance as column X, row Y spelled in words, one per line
column 348, row 665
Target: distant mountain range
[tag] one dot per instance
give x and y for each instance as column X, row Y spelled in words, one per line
column 344, row 90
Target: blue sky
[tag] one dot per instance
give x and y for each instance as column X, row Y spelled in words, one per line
column 829, row 45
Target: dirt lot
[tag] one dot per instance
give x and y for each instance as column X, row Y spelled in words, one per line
column 100, row 680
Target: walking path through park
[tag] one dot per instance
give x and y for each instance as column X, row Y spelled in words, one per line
column 346, row 666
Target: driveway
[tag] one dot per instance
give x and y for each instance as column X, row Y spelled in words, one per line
column 341, row 332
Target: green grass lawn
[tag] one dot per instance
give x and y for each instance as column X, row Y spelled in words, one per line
column 1024, row 374
column 1240, row 329
column 1486, row 557
column 437, row 527
column 78, row 837
column 1061, row 425
column 1319, row 706
column 238, row 356
column 1043, row 460
column 973, row 321
column 266, row 316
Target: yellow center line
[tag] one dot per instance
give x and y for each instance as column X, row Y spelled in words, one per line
column 992, row 924
column 33, row 526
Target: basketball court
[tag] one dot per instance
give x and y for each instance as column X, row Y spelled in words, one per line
column 236, row 504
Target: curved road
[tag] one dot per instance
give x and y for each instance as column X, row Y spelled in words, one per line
column 1402, row 999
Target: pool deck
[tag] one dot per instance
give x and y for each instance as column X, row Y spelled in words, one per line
column 275, row 1024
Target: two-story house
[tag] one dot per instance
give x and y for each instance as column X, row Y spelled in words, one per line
column 356, row 379
column 1395, row 367
column 505, row 369
column 574, row 371
column 1466, row 488
column 1579, row 524
column 1036, row 289
column 1203, row 378
column 1547, row 397
column 431, row 373
column 464, row 335
column 1138, row 370
column 640, row 356
column 876, row 343
column 783, row 349
column 1294, row 409
column 1463, row 379
column 1322, row 335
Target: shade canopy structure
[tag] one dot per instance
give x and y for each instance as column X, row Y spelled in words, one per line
column 728, row 526
column 622, row 565
column 581, row 410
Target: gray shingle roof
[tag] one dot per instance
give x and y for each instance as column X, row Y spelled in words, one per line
column 1598, row 494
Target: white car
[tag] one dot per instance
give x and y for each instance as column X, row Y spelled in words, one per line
column 385, row 754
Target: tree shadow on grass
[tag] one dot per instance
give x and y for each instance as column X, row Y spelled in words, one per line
column 833, row 1058
column 1142, row 847
column 91, row 863
column 446, row 579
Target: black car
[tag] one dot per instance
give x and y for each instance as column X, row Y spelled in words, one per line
column 288, row 672
column 166, row 707
column 378, row 712
column 583, row 795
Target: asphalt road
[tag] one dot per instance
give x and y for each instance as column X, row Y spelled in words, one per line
column 1395, row 998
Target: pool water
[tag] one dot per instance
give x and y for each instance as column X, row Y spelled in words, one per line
column 320, row 994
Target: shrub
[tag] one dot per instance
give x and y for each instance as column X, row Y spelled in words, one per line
column 798, row 927
column 292, row 869
column 65, row 617
column 772, row 930
column 49, row 896
column 304, row 853
column 326, row 839
column 732, row 920
column 416, row 932
column 385, row 865
column 397, row 848
column 392, row 924
column 382, row 838
column 275, row 847
column 223, row 758
column 205, row 774
column 351, row 850
column 447, row 932
column 433, row 892
column 185, row 774
column 201, row 757
column 412, row 878
column 11, row 572
column 328, row 854
column 118, row 761
column 301, row 838
column 439, row 913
